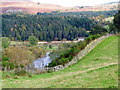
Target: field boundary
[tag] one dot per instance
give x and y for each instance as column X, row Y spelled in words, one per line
column 77, row 58
column 84, row 71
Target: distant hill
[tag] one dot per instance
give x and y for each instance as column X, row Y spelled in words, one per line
column 27, row 6
column 110, row 3
column 14, row 0
column 102, row 7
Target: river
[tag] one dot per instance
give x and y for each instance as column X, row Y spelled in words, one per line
column 42, row 62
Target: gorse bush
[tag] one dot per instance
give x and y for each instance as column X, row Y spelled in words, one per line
column 66, row 55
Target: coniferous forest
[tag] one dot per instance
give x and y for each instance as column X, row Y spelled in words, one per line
column 50, row 26
column 59, row 47
column 46, row 28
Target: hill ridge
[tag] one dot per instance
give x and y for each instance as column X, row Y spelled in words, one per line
column 32, row 7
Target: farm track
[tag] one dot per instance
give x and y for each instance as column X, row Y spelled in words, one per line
column 80, row 72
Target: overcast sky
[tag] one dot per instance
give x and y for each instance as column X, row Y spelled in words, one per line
column 75, row 2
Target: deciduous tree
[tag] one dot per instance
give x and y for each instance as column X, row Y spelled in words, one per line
column 33, row 40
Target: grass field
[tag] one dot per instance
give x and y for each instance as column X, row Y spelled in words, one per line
column 98, row 69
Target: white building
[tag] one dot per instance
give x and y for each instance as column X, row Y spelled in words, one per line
column 81, row 39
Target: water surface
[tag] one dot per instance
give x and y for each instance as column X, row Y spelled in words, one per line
column 42, row 62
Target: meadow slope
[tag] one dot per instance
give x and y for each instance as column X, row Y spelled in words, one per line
column 98, row 69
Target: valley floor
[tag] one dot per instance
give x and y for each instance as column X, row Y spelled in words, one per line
column 98, row 69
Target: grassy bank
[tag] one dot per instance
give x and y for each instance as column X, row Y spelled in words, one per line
column 98, row 69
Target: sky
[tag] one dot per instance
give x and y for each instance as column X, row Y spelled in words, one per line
column 69, row 3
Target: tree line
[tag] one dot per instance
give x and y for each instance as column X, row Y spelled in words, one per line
column 82, row 14
column 47, row 28
column 66, row 55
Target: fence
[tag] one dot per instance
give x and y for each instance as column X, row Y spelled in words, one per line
column 80, row 55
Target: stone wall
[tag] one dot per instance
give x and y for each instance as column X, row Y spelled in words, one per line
column 80, row 55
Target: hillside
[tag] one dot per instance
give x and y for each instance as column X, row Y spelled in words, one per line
column 98, row 69
column 27, row 6
column 104, row 7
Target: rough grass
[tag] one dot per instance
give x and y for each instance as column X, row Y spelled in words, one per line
column 15, row 42
column 51, row 49
column 98, row 69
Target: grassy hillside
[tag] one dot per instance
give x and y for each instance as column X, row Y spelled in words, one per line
column 98, row 69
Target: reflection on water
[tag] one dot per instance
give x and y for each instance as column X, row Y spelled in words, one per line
column 42, row 62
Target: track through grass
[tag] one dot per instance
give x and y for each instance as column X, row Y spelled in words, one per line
column 98, row 69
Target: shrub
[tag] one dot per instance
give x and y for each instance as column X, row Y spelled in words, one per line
column 20, row 73
column 88, row 40
column 60, row 62
column 33, row 40
column 38, row 52
column 65, row 60
column 50, row 46
column 5, row 58
column 5, row 42
column 12, row 65
column 7, row 76
column 16, row 77
column 93, row 37
column 74, row 51
column 30, row 76
column 70, row 58
column 5, row 64
column 67, row 54
column 53, row 63
column 98, row 30
column 18, row 57
column 21, row 65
